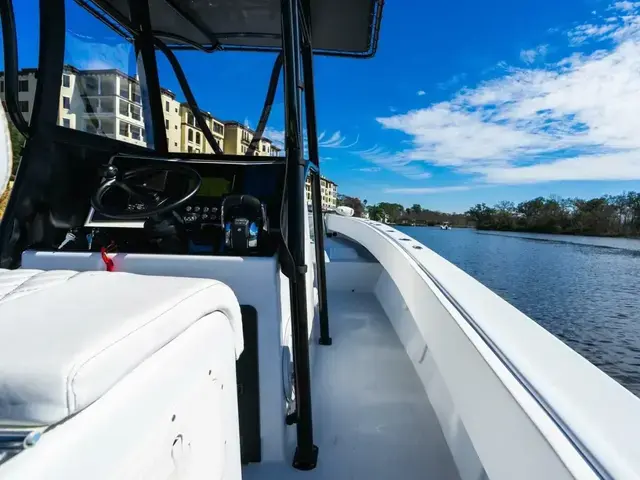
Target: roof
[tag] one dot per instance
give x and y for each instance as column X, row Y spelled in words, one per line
column 322, row 177
column 339, row 27
column 203, row 112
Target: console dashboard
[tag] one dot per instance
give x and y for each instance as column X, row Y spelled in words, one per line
column 201, row 230
column 202, row 210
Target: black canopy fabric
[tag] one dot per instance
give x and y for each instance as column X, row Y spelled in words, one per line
column 342, row 27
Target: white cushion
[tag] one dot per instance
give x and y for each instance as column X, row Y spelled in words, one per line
column 68, row 337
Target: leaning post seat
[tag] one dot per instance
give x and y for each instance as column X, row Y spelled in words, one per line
column 68, row 337
column 109, row 372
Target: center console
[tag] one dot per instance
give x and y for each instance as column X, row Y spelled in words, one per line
column 196, row 226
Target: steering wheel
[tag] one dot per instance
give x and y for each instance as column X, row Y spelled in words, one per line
column 133, row 183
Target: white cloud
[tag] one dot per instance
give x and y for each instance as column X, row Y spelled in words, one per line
column 453, row 81
column 576, row 119
column 626, row 6
column 275, row 135
column 335, row 140
column 395, row 162
column 370, row 169
column 421, row 93
column 425, row 190
column 530, row 56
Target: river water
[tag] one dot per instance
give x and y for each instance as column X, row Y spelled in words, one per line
column 584, row 290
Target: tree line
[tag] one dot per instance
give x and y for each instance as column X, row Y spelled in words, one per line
column 609, row 215
column 398, row 214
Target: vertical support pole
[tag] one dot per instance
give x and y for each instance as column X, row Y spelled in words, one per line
column 316, row 195
column 10, row 51
column 306, row 454
column 44, row 116
column 318, row 228
column 145, row 50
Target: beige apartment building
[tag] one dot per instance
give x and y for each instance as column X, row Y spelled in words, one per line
column 328, row 192
column 109, row 103
column 237, row 138
column 103, row 102
column 192, row 138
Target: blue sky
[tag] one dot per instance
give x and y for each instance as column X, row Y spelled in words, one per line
column 465, row 102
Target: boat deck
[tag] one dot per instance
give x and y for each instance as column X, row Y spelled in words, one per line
column 373, row 419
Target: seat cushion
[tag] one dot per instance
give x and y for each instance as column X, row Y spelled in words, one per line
column 68, row 337
column 15, row 283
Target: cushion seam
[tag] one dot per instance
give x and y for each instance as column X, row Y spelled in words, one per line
column 7, row 297
column 71, row 376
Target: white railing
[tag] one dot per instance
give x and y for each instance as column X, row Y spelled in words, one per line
column 531, row 406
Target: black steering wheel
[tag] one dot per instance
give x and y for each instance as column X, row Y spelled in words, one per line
column 133, row 183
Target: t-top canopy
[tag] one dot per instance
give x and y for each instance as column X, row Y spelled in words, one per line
column 339, row 27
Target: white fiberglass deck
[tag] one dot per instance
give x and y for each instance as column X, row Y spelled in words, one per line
column 372, row 418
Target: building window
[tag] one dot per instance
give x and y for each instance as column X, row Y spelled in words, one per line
column 124, row 88
column 166, row 124
column 190, row 135
column 107, row 105
column 123, row 108
column 135, row 112
column 166, row 105
column 24, row 106
column 124, row 129
column 23, row 86
column 245, row 136
column 90, row 86
column 135, row 95
column 198, row 138
column 136, row 133
column 107, row 85
column 66, row 123
column 218, row 128
column 175, row 126
column 2, row 87
column 190, row 120
column 175, row 144
column 66, row 81
column 66, row 102
column 189, row 149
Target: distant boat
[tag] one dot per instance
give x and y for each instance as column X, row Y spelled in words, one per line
column 445, row 226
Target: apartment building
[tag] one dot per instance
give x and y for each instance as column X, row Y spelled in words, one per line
column 237, row 138
column 27, row 80
column 192, row 137
column 108, row 102
column 328, row 192
column 104, row 102
column 172, row 120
